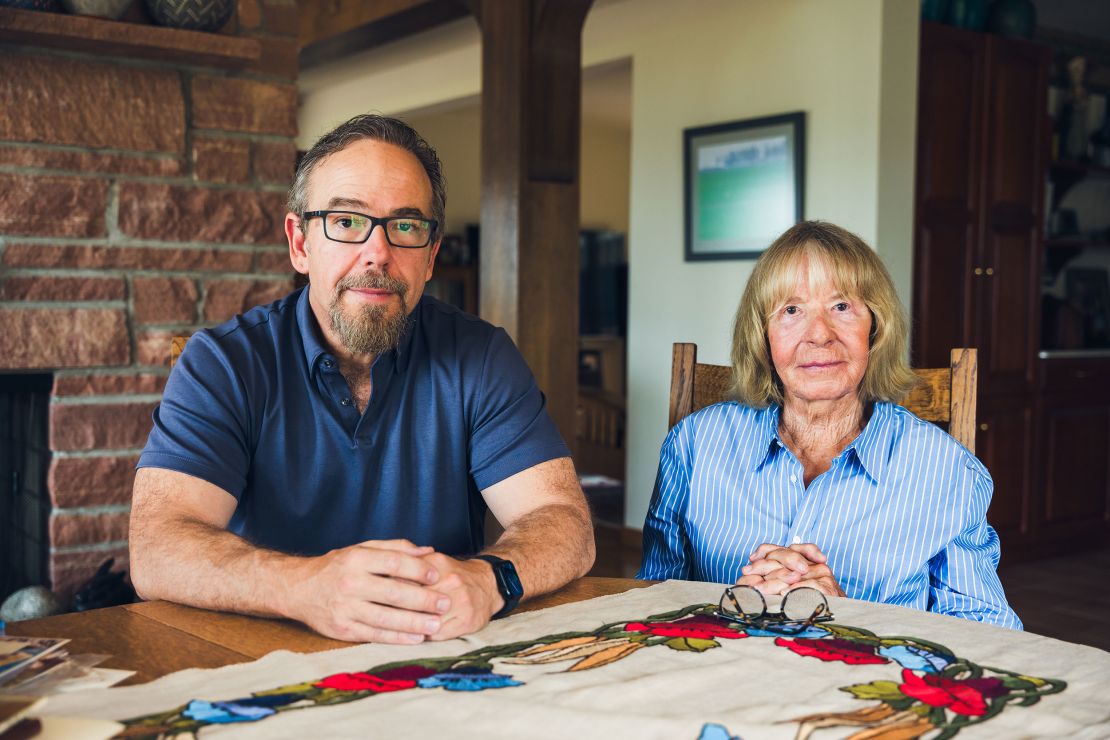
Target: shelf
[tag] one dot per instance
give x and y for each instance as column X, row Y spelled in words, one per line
column 1075, row 242
column 1078, row 169
column 116, row 38
column 1068, row 354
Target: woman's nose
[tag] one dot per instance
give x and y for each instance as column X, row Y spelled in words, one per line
column 818, row 330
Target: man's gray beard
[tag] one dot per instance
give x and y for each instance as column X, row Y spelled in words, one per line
column 375, row 329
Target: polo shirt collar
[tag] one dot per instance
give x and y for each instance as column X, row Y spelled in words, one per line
column 315, row 349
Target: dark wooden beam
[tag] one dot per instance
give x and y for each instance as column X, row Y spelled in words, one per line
column 335, row 29
column 531, row 119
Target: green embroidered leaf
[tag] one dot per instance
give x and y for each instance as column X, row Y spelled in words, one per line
column 852, row 633
column 882, row 690
column 693, row 644
column 295, row 688
column 1018, row 684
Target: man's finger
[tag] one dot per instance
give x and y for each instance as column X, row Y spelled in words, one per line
column 379, row 616
column 396, row 563
column 399, row 593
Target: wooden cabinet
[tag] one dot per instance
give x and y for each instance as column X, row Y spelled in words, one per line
column 982, row 136
column 1005, row 443
column 1073, row 488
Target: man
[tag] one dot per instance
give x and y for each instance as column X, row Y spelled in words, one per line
column 302, row 448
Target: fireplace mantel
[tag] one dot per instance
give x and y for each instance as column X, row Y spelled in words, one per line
column 117, row 38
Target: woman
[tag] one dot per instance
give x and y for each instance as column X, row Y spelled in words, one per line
column 814, row 476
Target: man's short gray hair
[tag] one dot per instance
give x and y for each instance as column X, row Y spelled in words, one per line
column 378, row 128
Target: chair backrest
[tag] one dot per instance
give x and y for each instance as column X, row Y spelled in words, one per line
column 177, row 345
column 945, row 395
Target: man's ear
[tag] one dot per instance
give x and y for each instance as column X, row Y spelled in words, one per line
column 298, row 247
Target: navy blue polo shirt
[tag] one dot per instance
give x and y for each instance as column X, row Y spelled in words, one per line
column 258, row 407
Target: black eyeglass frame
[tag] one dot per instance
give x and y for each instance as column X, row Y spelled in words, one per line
column 375, row 222
column 776, row 620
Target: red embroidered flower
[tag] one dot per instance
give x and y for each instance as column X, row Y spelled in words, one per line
column 365, row 682
column 698, row 627
column 968, row 697
column 828, row 650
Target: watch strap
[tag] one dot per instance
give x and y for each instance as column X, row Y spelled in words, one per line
column 508, row 583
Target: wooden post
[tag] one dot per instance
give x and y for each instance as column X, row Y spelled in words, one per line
column 531, row 118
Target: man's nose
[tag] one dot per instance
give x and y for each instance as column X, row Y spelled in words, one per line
column 376, row 249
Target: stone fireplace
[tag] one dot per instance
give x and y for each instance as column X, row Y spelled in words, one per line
column 142, row 181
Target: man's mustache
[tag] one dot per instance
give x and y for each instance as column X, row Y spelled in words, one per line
column 372, row 281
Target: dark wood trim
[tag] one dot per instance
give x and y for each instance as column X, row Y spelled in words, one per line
column 331, row 31
column 135, row 40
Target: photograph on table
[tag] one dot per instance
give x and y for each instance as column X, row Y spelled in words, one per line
column 744, row 185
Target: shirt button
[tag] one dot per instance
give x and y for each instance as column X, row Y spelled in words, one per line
column 329, row 364
column 793, row 479
column 346, row 402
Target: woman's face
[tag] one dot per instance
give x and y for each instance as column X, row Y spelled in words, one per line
column 819, row 339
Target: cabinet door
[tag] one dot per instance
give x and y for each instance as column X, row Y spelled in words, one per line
column 1004, row 444
column 949, row 145
column 1075, row 436
column 1007, row 271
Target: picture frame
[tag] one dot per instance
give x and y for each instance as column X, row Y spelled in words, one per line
column 743, row 185
column 1088, row 291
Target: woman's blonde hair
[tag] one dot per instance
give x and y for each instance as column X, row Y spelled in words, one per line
column 856, row 271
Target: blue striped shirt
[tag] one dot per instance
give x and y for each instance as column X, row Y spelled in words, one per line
column 900, row 513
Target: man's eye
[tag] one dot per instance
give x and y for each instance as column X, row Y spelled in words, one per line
column 403, row 226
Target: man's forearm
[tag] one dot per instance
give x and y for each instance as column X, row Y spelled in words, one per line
column 550, row 547
column 194, row 563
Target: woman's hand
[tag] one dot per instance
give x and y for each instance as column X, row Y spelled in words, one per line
column 774, row 570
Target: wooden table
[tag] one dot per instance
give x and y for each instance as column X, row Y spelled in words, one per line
column 155, row 638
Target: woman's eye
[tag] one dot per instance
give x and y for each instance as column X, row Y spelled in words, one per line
column 790, row 310
column 842, row 306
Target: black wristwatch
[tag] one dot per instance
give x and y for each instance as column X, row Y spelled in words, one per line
column 508, row 583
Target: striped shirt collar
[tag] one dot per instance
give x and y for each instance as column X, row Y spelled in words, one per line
column 871, row 449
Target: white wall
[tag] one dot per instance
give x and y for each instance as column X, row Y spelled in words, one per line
column 850, row 65
column 455, row 132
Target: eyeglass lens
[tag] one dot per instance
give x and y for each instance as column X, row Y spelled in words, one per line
column 399, row 231
column 748, row 602
column 803, row 603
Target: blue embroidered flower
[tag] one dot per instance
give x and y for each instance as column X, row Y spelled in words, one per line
column 250, row 709
column 710, row 731
column 916, row 659
column 813, row 631
column 468, row 679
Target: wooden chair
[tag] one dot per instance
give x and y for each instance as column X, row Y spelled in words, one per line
column 177, row 345
column 945, row 395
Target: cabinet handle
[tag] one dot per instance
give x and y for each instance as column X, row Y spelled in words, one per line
column 984, row 427
column 990, row 270
column 1081, row 374
column 978, row 270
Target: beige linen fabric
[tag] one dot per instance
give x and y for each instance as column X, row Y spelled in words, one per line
column 751, row 686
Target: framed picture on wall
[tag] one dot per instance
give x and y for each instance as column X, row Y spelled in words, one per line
column 744, row 182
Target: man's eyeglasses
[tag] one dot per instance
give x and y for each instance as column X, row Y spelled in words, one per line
column 801, row 608
column 351, row 227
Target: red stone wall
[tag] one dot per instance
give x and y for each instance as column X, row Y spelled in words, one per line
column 138, row 201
